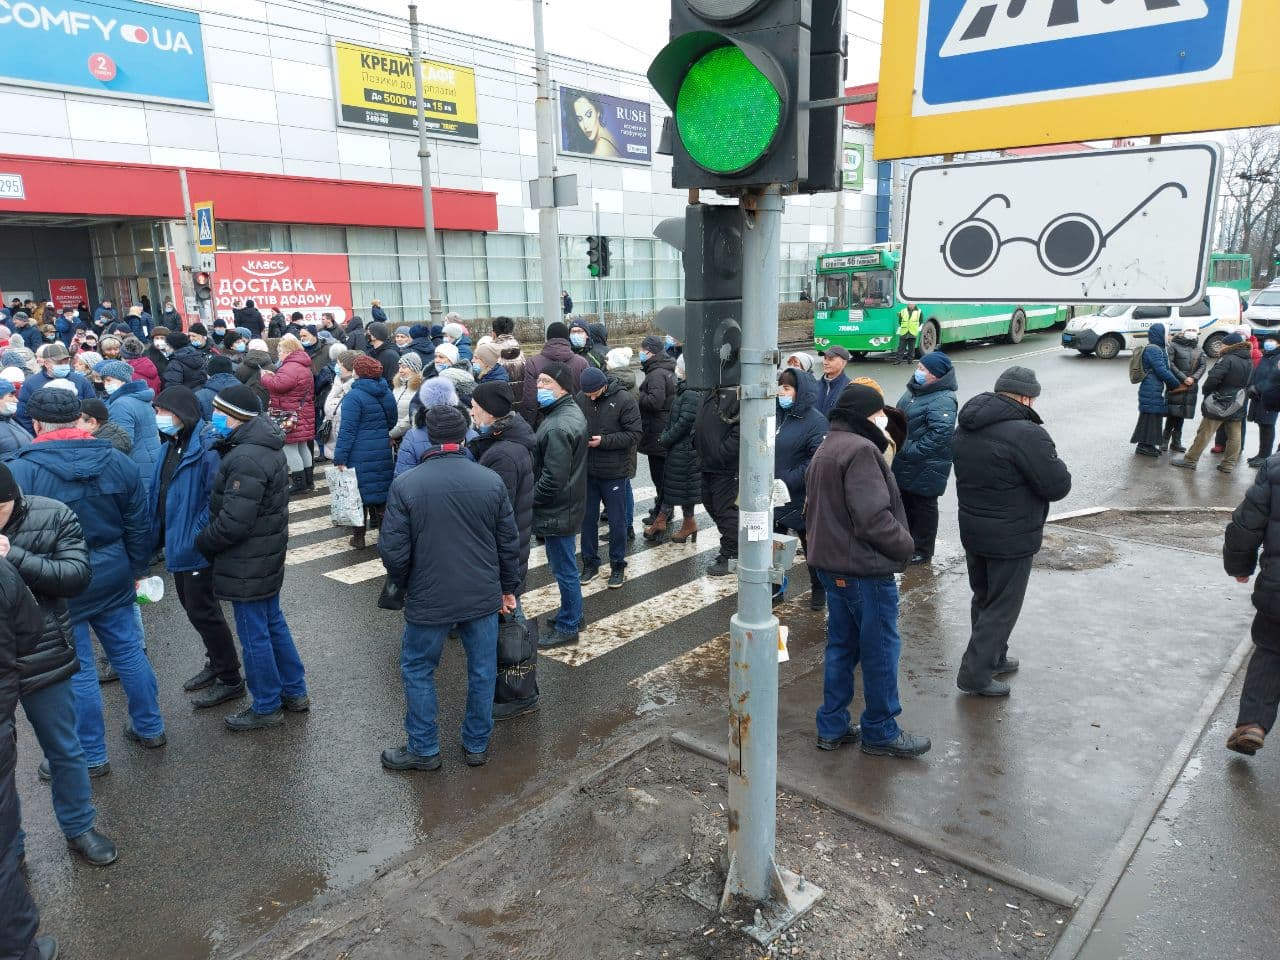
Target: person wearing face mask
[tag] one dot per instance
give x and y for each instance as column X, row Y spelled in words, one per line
column 292, row 390
column 129, row 403
column 656, row 395
column 858, row 540
column 580, row 341
column 1265, row 376
column 95, row 419
column 487, row 366
column 560, row 495
column 83, row 363
column 404, row 340
column 309, row 337
column 198, row 334
column 12, row 436
column 1152, row 406
column 255, row 359
column 557, row 349
column 55, row 364
column 800, row 431
column 445, row 357
column 672, row 347
column 922, row 466
column 233, row 345
column 221, row 375
column 439, row 392
column 1188, row 362
column 343, row 377
column 219, row 335
column 245, row 542
column 408, row 380
column 682, row 473
column 456, row 334
column 613, row 430
column 133, row 353
column 381, row 349
column 1007, row 474
column 891, row 420
column 183, row 482
column 158, row 349
column 186, row 364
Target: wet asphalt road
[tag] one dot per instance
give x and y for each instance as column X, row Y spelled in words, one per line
column 222, row 835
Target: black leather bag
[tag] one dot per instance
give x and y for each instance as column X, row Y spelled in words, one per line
column 392, row 596
column 517, row 660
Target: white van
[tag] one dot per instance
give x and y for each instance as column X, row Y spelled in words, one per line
column 1124, row 326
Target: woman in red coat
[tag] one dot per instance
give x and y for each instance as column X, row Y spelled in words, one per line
column 292, row 391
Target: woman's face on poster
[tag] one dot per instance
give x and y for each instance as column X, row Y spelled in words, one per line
column 588, row 118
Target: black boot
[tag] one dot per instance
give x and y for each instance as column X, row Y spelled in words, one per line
column 309, row 477
column 297, row 482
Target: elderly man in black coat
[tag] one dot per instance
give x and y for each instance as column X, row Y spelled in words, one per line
column 449, row 499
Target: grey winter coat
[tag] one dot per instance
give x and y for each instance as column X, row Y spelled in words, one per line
column 682, row 478
column 560, row 470
column 1186, row 359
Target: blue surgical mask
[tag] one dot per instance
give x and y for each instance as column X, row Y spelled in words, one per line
column 1268, row 345
column 669, row 342
column 475, row 365
column 166, row 425
column 578, row 339
column 920, row 377
column 197, row 341
column 545, row 397
column 484, row 429
column 644, row 355
column 240, row 347
column 220, row 425
column 785, row 402
column 442, row 367
column 62, row 370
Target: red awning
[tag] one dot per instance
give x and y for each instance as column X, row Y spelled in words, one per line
column 861, row 113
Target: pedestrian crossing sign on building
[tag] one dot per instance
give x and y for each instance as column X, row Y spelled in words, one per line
column 966, row 75
column 205, row 238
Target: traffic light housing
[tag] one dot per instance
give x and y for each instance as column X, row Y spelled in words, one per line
column 204, row 286
column 604, row 256
column 594, row 261
column 735, row 75
column 828, row 64
column 709, row 237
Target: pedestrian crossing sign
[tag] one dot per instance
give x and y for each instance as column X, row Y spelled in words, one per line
column 205, row 241
column 968, row 75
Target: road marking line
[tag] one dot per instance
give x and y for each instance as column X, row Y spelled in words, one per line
column 323, row 522
column 309, row 503
column 326, row 548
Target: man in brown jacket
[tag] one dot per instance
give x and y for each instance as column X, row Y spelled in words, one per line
column 858, row 539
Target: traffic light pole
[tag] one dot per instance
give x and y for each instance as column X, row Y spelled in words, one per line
column 753, row 875
column 424, row 160
column 548, row 231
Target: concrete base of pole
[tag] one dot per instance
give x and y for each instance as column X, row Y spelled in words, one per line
column 793, row 897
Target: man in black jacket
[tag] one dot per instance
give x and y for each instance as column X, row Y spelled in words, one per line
column 43, row 541
column 21, row 628
column 857, row 540
column 1226, row 384
column 1256, row 524
column 249, row 317
column 186, row 364
column 1007, row 474
column 383, row 351
column 717, row 436
column 560, row 494
column 447, row 498
column 246, row 539
column 656, row 394
column 613, row 430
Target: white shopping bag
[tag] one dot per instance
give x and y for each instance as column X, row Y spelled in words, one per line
column 346, row 509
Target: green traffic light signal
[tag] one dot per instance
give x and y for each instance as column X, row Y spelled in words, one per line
column 727, row 112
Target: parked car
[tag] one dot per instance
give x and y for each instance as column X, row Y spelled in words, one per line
column 1264, row 311
column 1124, row 326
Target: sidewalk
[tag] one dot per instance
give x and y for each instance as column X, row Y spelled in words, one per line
column 1037, row 789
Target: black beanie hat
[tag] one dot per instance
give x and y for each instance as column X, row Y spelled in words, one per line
column 238, row 401
column 561, row 375
column 181, row 402
column 94, row 408
column 494, row 397
column 177, row 340
column 857, row 400
column 53, row 405
column 219, row 364
column 197, row 329
column 445, row 424
column 556, row 330
column 8, row 486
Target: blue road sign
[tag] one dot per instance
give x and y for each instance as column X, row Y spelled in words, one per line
column 978, row 53
column 205, row 242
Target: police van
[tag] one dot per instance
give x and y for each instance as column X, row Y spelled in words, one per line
column 1124, row 326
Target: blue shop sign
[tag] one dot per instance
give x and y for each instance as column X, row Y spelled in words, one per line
column 120, row 48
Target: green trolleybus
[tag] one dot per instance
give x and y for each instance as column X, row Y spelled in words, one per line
column 856, row 307
column 1233, row 270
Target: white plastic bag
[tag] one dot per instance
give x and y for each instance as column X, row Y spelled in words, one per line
column 150, row 590
column 346, row 509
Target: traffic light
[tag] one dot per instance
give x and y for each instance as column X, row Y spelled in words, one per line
column 709, row 236
column 735, row 75
column 594, row 262
column 204, row 286
column 828, row 60
column 604, row 256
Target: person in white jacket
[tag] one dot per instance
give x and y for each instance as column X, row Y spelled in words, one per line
column 405, row 388
column 341, row 387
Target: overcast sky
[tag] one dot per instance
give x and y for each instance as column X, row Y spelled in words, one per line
column 622, row 33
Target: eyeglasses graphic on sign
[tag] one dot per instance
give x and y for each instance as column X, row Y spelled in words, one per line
column 1068, row 245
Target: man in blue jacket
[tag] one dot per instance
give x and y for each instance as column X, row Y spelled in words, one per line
column 182, row 484
column 834, row 379
column 103, row 488
column 129, row 406
column 55, row 364
column 449, row 499
column 923, row 466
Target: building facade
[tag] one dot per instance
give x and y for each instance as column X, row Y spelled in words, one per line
column 296, row 119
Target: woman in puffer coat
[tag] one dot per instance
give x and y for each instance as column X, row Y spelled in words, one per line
column 364, row 441
column 1265, row 375
column 344, row 377
column 800, row 431
column 1187, row 361
column 292, row 391
column 1148, row 433
column 682, row 485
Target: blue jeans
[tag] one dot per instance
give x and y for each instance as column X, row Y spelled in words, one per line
column 121, row 640
column 52, row 712
column 631, row 504
column 564, row 566
column 862, row 627
column 419, row 657
column 613, row 493
column 271, row 663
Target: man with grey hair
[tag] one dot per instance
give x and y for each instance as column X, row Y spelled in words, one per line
column 1007, row 474
column 55, row 364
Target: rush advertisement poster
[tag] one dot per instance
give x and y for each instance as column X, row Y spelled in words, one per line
column 604, row 127
column 312, row 283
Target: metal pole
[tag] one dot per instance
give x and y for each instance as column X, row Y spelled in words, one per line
column 424, row 158
column 837, row 230
column 193, row 254
column 599, row 287
column 548, row 231
column 753, row 631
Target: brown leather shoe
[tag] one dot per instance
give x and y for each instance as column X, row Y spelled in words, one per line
column 658, row 528
column 687, row 529
column 1247, row 739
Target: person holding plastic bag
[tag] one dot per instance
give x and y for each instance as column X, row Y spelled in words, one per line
column 364, row 443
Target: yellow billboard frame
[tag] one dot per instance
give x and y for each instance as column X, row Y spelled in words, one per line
column 1250, row 98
